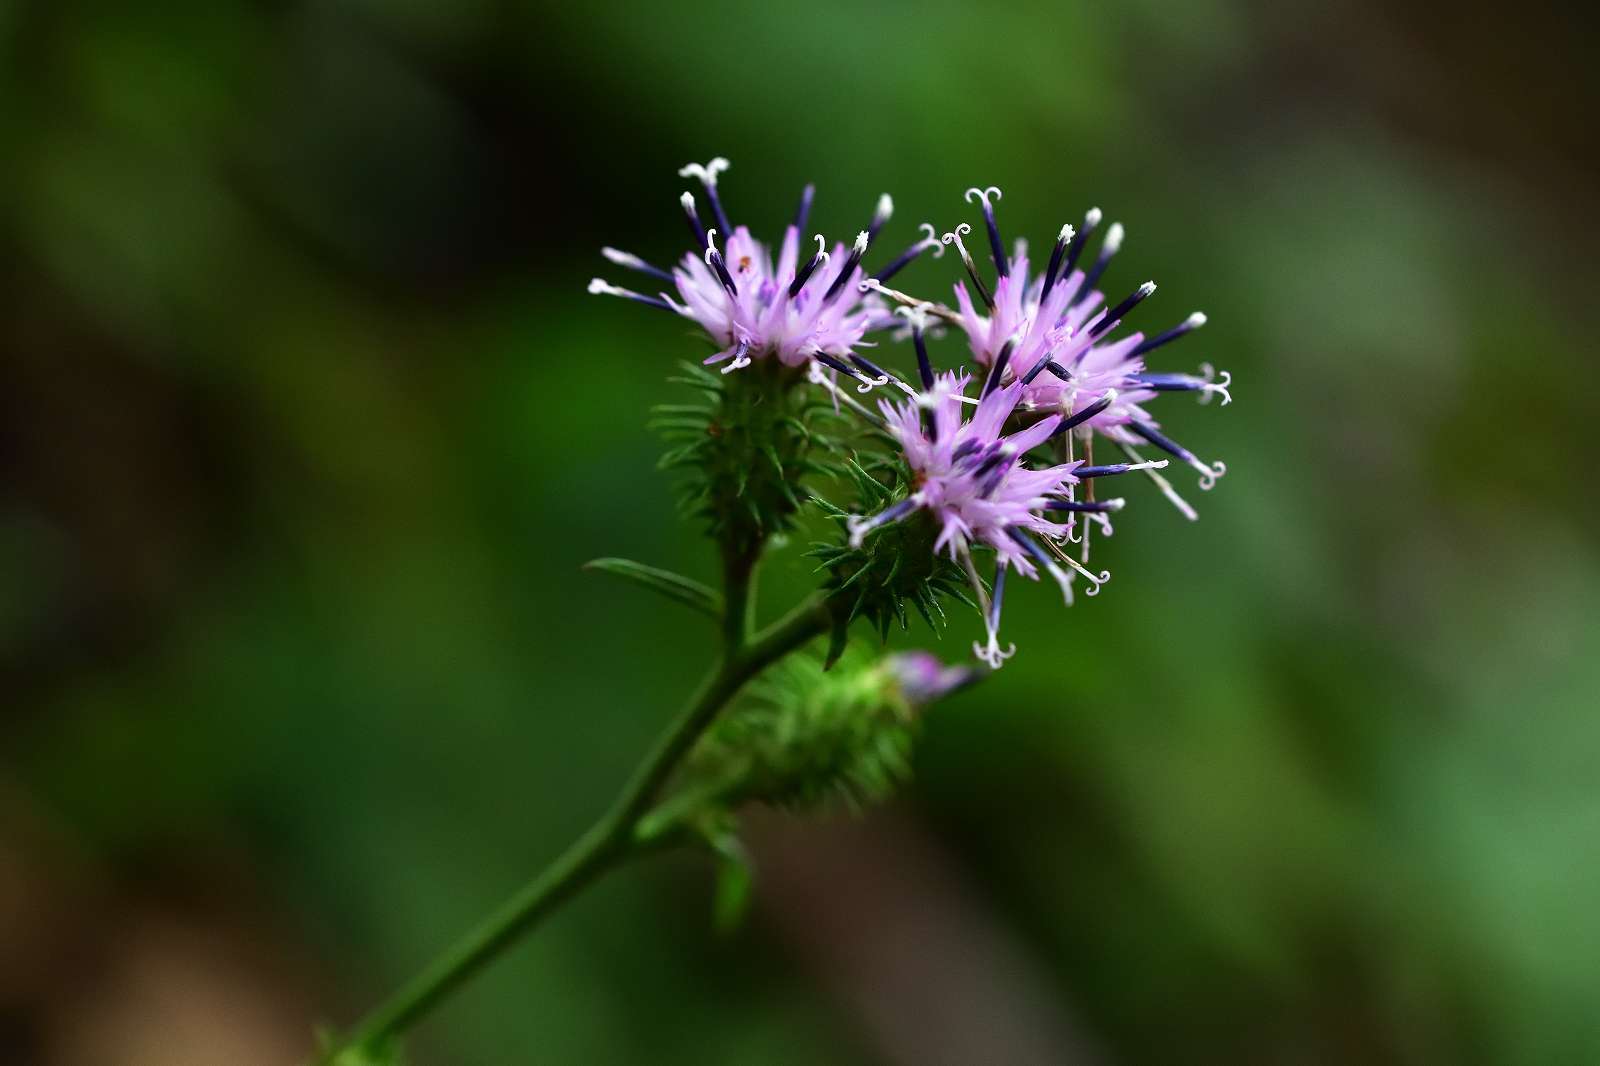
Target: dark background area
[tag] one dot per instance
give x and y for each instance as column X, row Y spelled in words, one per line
column 306, row 423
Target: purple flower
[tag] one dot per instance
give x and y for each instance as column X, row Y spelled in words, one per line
column 756, row 307
column 1053, row 333
column 923, row 678
column 972, row 479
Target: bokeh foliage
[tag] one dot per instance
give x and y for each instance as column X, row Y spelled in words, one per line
column 308, row 423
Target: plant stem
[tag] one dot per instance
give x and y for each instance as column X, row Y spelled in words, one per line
column 605, row 844
column 738, row 594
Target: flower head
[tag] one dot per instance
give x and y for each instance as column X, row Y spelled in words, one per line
column 972, row 478
column 1054, row 333
column 794, row 308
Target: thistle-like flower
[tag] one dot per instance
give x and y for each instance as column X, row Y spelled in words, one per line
column 972, row 479
column 1052, row 333
column 753, row 307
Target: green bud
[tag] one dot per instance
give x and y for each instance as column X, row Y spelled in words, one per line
column 810, row 738
column 747, row 448
column 896, row 569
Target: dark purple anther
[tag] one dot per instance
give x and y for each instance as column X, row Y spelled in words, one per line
column 1001, row 265
column 972, row 268
column 806, row 271
column 1117, row 313
column 1160, row 440
column 1083, row 473
column 1031, row 546
column 833, row 364
column 695, row 227
column 1108, row 248
column 851, row 261
column 1047, row 364
column 868, row 367
column 1084, row 415
column 802, row 213
column 999, row 594
column 1188, row 325
column 992, row 382
column 929, row 240
column 714, row 258
column 924, row 364
column 1055, row 261
column 1091, row 219
column 1084, row 506
column 1168, row 382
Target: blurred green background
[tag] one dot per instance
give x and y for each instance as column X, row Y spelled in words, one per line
column 306, row 424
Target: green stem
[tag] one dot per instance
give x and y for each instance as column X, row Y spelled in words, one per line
column 738, row 594
column 606, row 843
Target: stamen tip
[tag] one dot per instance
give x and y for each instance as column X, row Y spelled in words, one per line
column 1066, row 233
column 1196, row 320
column 1146, row 289
column 1092, row 218
column 1114, row 237
column 885, row 208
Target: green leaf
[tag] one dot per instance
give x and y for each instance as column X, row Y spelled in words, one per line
column 684, row 590
column 735, row 883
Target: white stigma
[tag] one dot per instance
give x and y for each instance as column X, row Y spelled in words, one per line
column 707, row 172
column 1095, row 580
column 1196, row 320
column 1113, row 239
column 602, row 287
column 930, row 239
column 740, row 361
column 885, row 208
column 621, row 258
column 1066, row 234
column 916, row 317
column 711, row 245
column 984, row 194
column 1092, row 218
column 954, row 237
column 1063, row 579
column 1163, row 485
column 868, row 384
column 687, row 200
column 822, row 248
column 1220, row 388
column 1146, row 289
column 861, row 242
column 990, row 654
column 1209, row 474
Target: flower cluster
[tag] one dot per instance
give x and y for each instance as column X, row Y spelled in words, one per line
column 1010, row 470
column 754, row 307
column 1055, row 334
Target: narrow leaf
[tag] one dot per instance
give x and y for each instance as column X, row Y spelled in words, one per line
column 685, row 590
